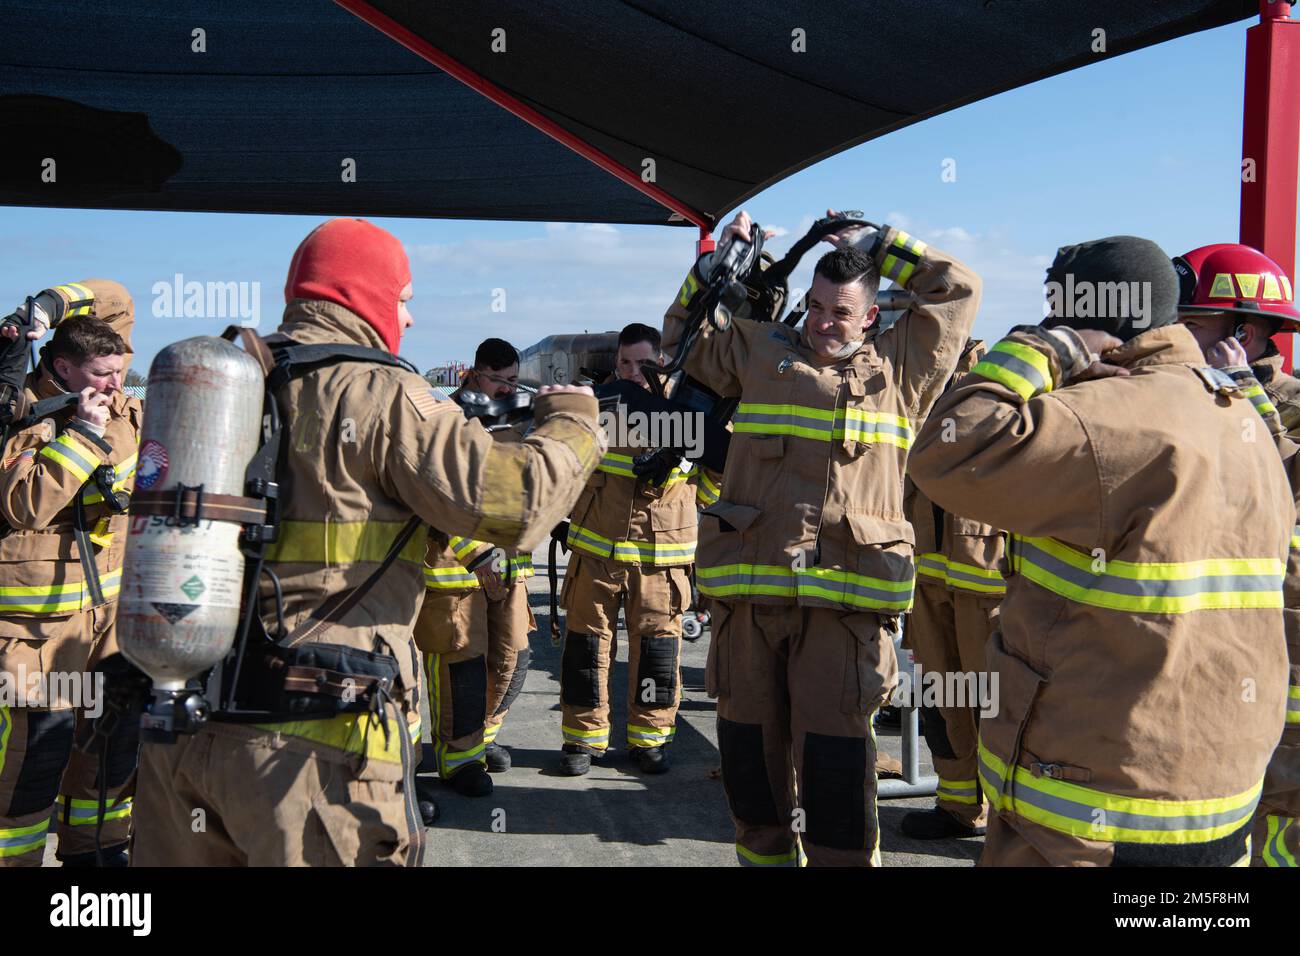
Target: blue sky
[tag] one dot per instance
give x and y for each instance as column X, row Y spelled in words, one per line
column 1145, row 144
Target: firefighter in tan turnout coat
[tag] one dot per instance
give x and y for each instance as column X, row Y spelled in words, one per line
column 959, row 588
column 1126, row 622
column 1233, row 299
column 474, row 625
column 808, row 555
column 341, row 790
column 631, row 539
column 60, row 575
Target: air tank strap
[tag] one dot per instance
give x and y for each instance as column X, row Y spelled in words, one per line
column 187, row 505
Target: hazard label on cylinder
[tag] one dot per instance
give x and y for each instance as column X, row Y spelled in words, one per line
column 195, row 567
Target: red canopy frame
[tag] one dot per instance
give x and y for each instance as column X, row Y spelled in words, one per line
column 1270, row 140
column 1270, row 131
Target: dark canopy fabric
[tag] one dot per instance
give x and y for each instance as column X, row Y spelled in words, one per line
column 266, row 115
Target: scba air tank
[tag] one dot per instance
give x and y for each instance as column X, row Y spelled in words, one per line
column 182, row 583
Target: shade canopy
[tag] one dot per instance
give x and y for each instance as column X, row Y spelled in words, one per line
column 301, row 106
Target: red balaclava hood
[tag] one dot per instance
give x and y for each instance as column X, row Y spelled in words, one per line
column 359, row 266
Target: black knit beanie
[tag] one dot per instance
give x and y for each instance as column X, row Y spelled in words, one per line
column 1122, row 285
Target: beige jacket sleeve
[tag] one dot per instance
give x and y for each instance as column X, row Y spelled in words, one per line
column 457, row 478
column 42, row 477
column 718, row 356
column 1008, row 431
column 933, row 331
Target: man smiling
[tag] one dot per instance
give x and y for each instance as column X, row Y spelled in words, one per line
column 809, row 555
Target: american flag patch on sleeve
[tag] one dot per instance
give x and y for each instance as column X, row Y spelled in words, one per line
column 424, row 400
column 28, row 455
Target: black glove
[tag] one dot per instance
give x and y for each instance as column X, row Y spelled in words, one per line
column 560, row 535
column 655, row 466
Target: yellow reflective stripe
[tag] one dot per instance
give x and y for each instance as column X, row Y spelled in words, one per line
column 15, row 841
column 449, row 761
column 341, row 542
column 707, row 491
column 120, row 475
column 1259, row 398
column 774, row 580
column 1157, row 587
column 55, row 598
column 1097, row 815
column 1024, row 370
column 80, row 298
column 450, row 578
column 1293, row 704
column 73, row 455
column 901, row 258
column 957, row 574
column 584, row 539
column 596, row 739
column 688, row 289
column 614, row 464
column 86, row 812
column 638, row 736
column 748, row 857
column 461, row 547
column 653, row 553
column 1275, row 851
column 959, row 791
column 361, row 734
column 822, row 424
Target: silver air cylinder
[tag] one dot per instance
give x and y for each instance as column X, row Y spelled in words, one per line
column 181, row 586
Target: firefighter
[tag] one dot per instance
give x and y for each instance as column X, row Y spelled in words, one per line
column 475, row 621
column 368, row 445
column 1233, row 299
column 631, row 539
column 807, row 556
column 959, row 589
column 1109, row 473
column 65, row 479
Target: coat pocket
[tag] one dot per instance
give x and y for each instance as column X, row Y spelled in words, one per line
column 717, row 672
column 1017, row 688
column 870, row 665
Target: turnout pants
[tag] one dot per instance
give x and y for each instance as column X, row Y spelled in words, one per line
column 47, row 690
column 335, row 792
column 509, row 622
column 452, row 634
column 947, row 631
column 1275, row 839
column 653, row 600
column 796, row 688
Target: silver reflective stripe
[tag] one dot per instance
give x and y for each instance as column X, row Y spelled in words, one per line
column 1146, row 587
column 1121, row 819
column 791, row 418
column 27, row 840
column 1017, row 367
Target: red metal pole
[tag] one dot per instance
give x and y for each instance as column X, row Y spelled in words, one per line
column 705, row 244
column 1270, row 141
column 422, row 48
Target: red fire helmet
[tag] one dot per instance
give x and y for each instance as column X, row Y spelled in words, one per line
column 1228, row 277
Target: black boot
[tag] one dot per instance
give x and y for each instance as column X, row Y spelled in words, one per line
column 471, row 781
column 498, row 758
column 114, row 858
column 936, row 824
column 574, row 761
column 651, row 759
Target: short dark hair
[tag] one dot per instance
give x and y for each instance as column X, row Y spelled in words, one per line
column 80, row 338
column 637, row 332
column 495, row 354
column 850, row 264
